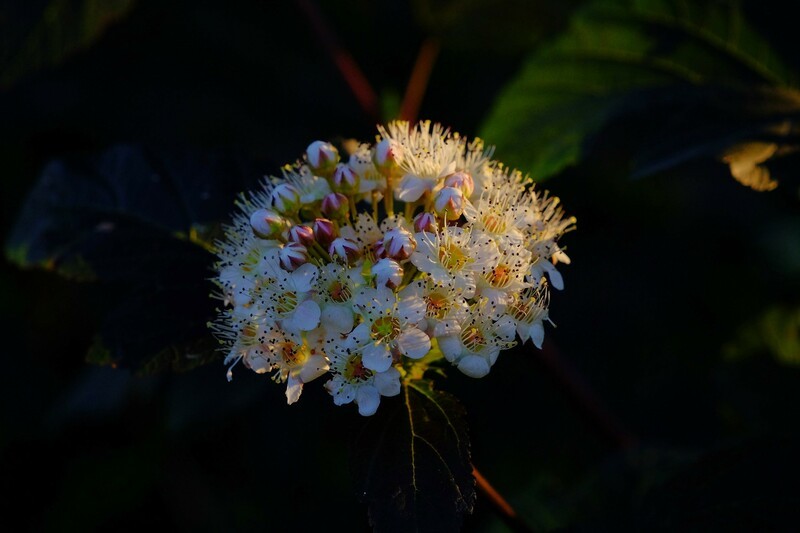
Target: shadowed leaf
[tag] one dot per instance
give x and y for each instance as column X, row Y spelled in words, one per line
column 63, row 27
column 412, row 464
column 140, row 222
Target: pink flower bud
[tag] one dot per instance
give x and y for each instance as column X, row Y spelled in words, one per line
column 301, row 234
column 292, row 255
column 266, row 223
column 322, row 157
column 425, row 221
column 399, row 244
column 461, row 180
column 335, row 206
column 387, row 157
column 344, row 250
column 345, row 179
column 324, row 231
column 449, row 203
column 285, row 199
column 388, row 273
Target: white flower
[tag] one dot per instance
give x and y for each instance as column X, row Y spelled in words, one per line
column 389, row 326
column 528, row 309
column 476, row 347
column 286, row 297
column 429, row 154
column 291, row 357
column 353, row 381
column 336, row 286
column 507, row 276
column 308, row 285
column 453, row 255
column 445, row 306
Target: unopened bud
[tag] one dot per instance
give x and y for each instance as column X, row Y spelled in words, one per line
column 335, row 206
column 461, row 180
column 449, row 203
column 344, row 250
column 399, row 244
column 425, row 221
column 292, row 255
column 345, row 179
column 285, row 199
column 322, row 157
column 266, row 223
column 388, row 273
column 387, row 157
column 324, row 231
column 301, row 234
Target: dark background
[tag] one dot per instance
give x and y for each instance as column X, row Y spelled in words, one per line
column 647, row 408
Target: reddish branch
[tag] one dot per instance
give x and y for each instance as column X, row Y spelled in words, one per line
column 500, row 505
column 582, row 398
column 352, row 74
column 418, row 82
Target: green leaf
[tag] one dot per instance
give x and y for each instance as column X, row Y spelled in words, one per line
column 775, row 333
column 622, row 56
column 138, row 221
column 62, row 28
column 412, row 462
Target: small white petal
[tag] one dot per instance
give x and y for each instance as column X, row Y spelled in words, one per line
column 313, row 368
column 377, row 357
column 388, row 383
column 304, row 276
column 337, row 318
column 368, row 400
column 411, row 187
column 451, row 347
column 414, row 343
column 294, row 387
column 306, row 316
column 474, row 366
column 536, row 331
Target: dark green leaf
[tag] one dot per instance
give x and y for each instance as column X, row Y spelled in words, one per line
column 623, row 56
column 140, row 222
column 61, row 28
column 412, row 462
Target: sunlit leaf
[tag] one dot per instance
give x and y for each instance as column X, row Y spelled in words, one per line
column 412, row 462
column 622, row 57
column 63, row 27
column 775, row 333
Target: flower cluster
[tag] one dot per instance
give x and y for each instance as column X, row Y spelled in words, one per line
column 417, row 248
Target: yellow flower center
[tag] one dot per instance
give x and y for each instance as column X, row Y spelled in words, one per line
column 452, row 257
column 385, row 328
column 355, row 370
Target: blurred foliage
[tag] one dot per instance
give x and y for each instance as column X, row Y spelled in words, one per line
column 141, row 222
column 775, row 333
column 654, row 58
column 515, row 25
column 63, row 27
column 681, row 290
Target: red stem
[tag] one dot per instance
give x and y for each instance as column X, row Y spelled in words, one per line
column 418, row 82
column 500, row 505
column 349, row 69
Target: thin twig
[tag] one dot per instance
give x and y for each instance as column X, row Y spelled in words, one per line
column 352, row 74
column 418, row 82
column 500, row 505
column 581, row 396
